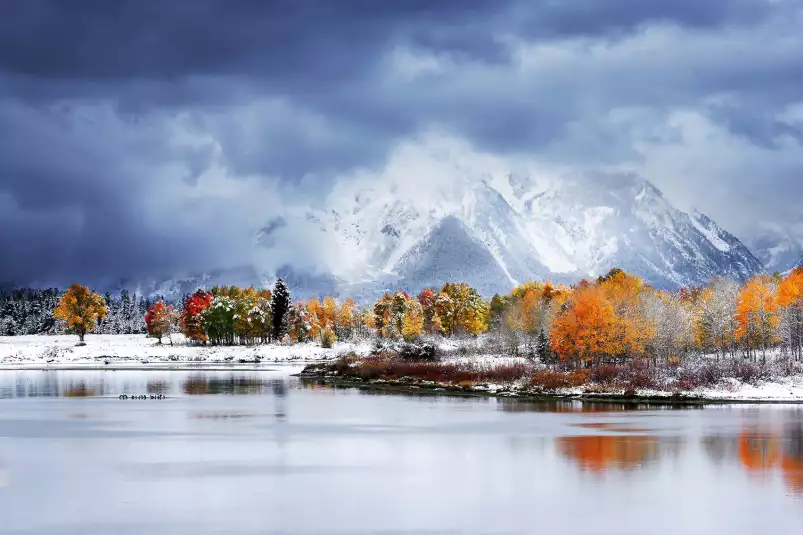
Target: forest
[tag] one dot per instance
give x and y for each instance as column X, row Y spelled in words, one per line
column 613, row 319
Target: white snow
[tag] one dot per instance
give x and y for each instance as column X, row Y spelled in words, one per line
column 709, row 234
column 579, row 225
column 59, row 350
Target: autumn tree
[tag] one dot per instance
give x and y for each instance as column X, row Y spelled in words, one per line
column 790, row 300
column 672, row 316
column 192, row 316
column 497, row 310
column 383, row 316
column 461, row 310
column 757, row 315
column 315, row 317
column 585, row 330
column 431, row 323
column 412, row 321
column 525, row 313
column 80, row 309
column 159, row 321
column 346, row 319
column 298, row 322
column 633, row 330
column 715, row 318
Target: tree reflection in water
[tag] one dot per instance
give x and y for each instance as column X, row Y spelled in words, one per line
column 603, row 453
column 764, row 451
column 200, row 384
column 764, row 454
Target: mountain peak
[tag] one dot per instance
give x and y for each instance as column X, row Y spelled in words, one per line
column 494, row 229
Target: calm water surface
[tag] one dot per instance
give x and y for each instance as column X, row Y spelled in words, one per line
column 260, row 452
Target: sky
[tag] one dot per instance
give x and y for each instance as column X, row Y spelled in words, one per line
column 142, row 138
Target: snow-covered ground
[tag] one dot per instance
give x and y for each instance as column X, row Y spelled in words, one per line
column 782, row 390
column 60, row 350
column 40, row 351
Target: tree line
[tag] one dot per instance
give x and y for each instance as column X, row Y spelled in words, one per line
column 611, row 319
column 30, row 311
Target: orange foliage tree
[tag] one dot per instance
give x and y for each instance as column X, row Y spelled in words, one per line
column 790, row 299
column 585, row 330
column 757, row 314
column 79, row 308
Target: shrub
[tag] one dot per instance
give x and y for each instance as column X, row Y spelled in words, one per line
column 420, row 351
column 547, row 379
column 639, row 374
column 328, row 338
column 371, row 370
column 605, row 374
column 749, row 372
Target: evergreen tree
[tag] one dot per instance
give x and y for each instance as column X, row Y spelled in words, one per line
column 543, row 350
column 279, row 305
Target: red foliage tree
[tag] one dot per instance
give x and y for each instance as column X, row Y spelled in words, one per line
column 192, row 315
column 159, row 319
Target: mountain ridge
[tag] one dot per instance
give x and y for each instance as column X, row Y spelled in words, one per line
column 563, row 230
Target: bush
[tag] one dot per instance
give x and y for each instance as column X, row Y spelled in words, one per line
column 606, row 374
column 547, row 379
column 371, row 370
column 418, row 351
column 638, row 374
column 704, row 375
column 749, row 372
column 328, row 338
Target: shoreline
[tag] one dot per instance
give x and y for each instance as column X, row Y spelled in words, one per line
column 417, row 387
column 156, row 366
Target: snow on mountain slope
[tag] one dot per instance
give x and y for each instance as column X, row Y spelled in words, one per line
column 798, row 264
column 779, row 248
column 494, row 229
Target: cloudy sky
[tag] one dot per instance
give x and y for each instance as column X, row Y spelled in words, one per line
column 143, row 137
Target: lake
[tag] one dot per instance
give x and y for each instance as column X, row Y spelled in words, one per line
column 262, row 452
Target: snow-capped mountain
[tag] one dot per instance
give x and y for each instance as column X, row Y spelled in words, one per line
column 780, row 248
column 496, row 230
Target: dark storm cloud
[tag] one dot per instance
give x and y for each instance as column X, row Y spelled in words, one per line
column 113, row 110
column 293, row 39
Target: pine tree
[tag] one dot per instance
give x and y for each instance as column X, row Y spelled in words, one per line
column 542, row 348
column 279, row 305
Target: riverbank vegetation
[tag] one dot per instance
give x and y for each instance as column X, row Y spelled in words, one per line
column 614, row 331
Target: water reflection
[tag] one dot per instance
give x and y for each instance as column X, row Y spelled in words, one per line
column 763, row 451
column 158, row 387
column 203, row 384
column 591, row 407
column 80, row 390
column 234, row 464
column 763, row 455
column 606, row 452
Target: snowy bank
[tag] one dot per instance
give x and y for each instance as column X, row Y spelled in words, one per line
column 509, row 378
column 119, row 349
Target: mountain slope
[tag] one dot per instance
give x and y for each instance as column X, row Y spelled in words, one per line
column 777, row 247
column 495, row 230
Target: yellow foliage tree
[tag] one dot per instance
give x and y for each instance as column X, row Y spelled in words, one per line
column 461, row 309
column 346, row 318
column 80, row 309
column 413, row 321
